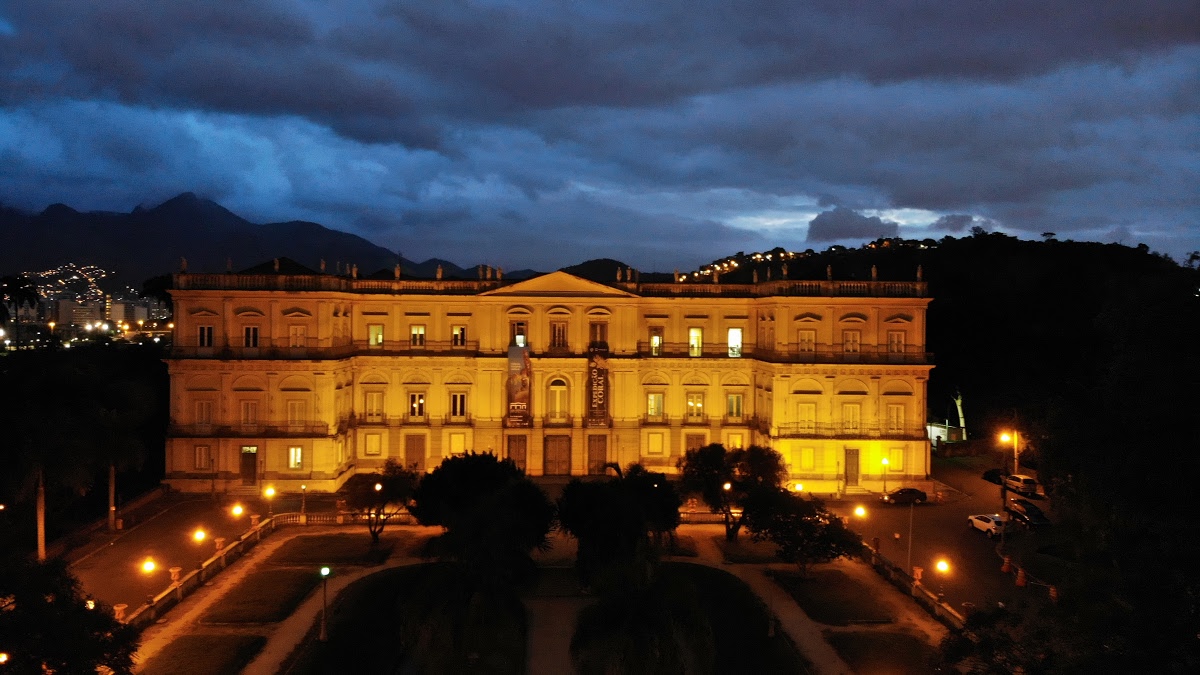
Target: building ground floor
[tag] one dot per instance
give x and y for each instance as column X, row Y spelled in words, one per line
column 243, row 463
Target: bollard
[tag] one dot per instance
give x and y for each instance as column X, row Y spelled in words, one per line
column 254, row 520
column 1022, row 582
column 1007, row 566
column 220, row 542
column 968, row 608
column 1054, row 594
column 119, row 611
column 175, row 574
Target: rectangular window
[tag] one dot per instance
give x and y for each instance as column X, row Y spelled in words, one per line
column 598, row 334
column 517, row 331
column 295, row 457
column 851, row 341
column 458, row 444
column 204, row 412
column 295, row 413
column 458, row 336
column 375, row 334
column 735, row 342
column 654, row 444
column 298, row 336
column 695, row 406
column 458, row 404
column 654, row 404
column 203, row 458
column 895, row 459
column 656, row 340
column 416, row 335
column 807, row 459
column 735, row 441
column 733, row 406
column 250, row 336
column 806, row 416
column 374, row 406
column 806, row 341
column 205, row 337
column 895, row 341
column 895, row 418
column 695, row 341
column 374, row 444
column 558, row 335
column 249, row 412
column 416, row 404
column 851, row 416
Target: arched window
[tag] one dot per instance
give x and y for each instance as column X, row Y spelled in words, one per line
column 556, row 402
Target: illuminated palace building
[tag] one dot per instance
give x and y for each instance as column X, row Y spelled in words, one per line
column 287, row 376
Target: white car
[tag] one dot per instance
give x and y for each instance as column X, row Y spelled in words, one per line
column 990, row 524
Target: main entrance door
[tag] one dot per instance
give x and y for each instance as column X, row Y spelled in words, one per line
column 414, row 452
column 516, row 450
column 851, row 466
column 249, row 464
column 558, row 456
column 597, row 454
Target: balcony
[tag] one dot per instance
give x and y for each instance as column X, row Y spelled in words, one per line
column 831, row 430
column 684, row 350
column 377, row 419
column 457, row 420
column 655, row 420
column 286, row 348
column 272, row 429
column 872, row 354
column 557, row 421
column 695, row 420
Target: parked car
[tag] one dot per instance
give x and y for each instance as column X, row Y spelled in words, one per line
column 990, row 524
column 994, row 476
column 904, row 496
column 1027, row 514
column 1021, row 483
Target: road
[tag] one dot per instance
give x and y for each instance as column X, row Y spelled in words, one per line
column 940, row 532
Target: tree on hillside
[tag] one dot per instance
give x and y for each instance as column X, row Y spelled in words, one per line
column 492, row 514
column 727, row 480
column 801, row 529
column 380, row 496
column 47, row 626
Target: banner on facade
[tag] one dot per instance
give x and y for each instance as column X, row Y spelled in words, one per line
column 597, row 390
column 518, row 387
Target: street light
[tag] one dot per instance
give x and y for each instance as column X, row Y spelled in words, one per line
column 943, row 569
column 237, row 510
column 324, row 635
column 1015, row 438
column 199, row 535
column 885, row 468
column 148, row 565
column 860, row 512
column 269, row 493
column 303, row 499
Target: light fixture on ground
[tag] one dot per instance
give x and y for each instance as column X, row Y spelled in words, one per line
column 324, row 634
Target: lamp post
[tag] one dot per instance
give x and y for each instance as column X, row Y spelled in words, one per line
column 943, row 569
column 911, row 502
column 269, row 493
column 1015, row 438
column 885, row 469
column 303, row 499
column 324, row 634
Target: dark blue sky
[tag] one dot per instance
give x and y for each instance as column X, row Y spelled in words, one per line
column 661, row 133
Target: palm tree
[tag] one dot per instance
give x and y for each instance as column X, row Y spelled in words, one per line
column 16, row 291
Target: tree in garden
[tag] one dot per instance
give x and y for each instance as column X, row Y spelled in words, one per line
column 801, row 529
column 380, row 496
column 492, row 514
column 47, row 626
column 15, row 292
column 727, row 479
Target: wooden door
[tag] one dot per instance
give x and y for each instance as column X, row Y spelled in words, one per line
column 597, row 454
column 851, row 466
column 414, row 452
column 558, row 456
column 516, row 450
column 249, row 465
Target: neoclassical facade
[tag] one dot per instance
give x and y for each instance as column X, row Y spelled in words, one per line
column 295, row 377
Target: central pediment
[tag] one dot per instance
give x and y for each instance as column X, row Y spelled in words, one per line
column 560, row 284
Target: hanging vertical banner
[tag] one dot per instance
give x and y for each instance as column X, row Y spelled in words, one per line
column 518, row 387
column 597, row 390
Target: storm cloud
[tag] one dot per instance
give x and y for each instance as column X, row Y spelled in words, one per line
column 665, row 134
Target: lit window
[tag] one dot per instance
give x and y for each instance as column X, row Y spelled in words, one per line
column 373, row 444
column 735, row 342
column 558, row 335
column 517, row 329
column 556, row 403
column 375, row 334
column 695, row 341
column 654, row 404
column 458, row 444
column 295, row 457
column 250, row 336
column 416, row 333
column 458, row 336
column 416, row 404
column 695, row 406
column 374, row 406
column 656, row 340
column 205, row 336
column 733, row 405
column 735, row 440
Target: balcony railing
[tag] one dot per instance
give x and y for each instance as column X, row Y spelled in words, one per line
column 873, row 354
column 285, row 348
column 831, row 430
column 275, row 429
column 557, row 421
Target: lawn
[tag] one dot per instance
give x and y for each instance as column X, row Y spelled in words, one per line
column 346, row 548
column 894, row 653
column 265, row 596
column 747, row 551
column 830, row 597
column 204, row 655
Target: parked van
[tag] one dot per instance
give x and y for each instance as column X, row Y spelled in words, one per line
column 1026, row 485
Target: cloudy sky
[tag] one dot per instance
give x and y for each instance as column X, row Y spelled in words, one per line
column 663, row 133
